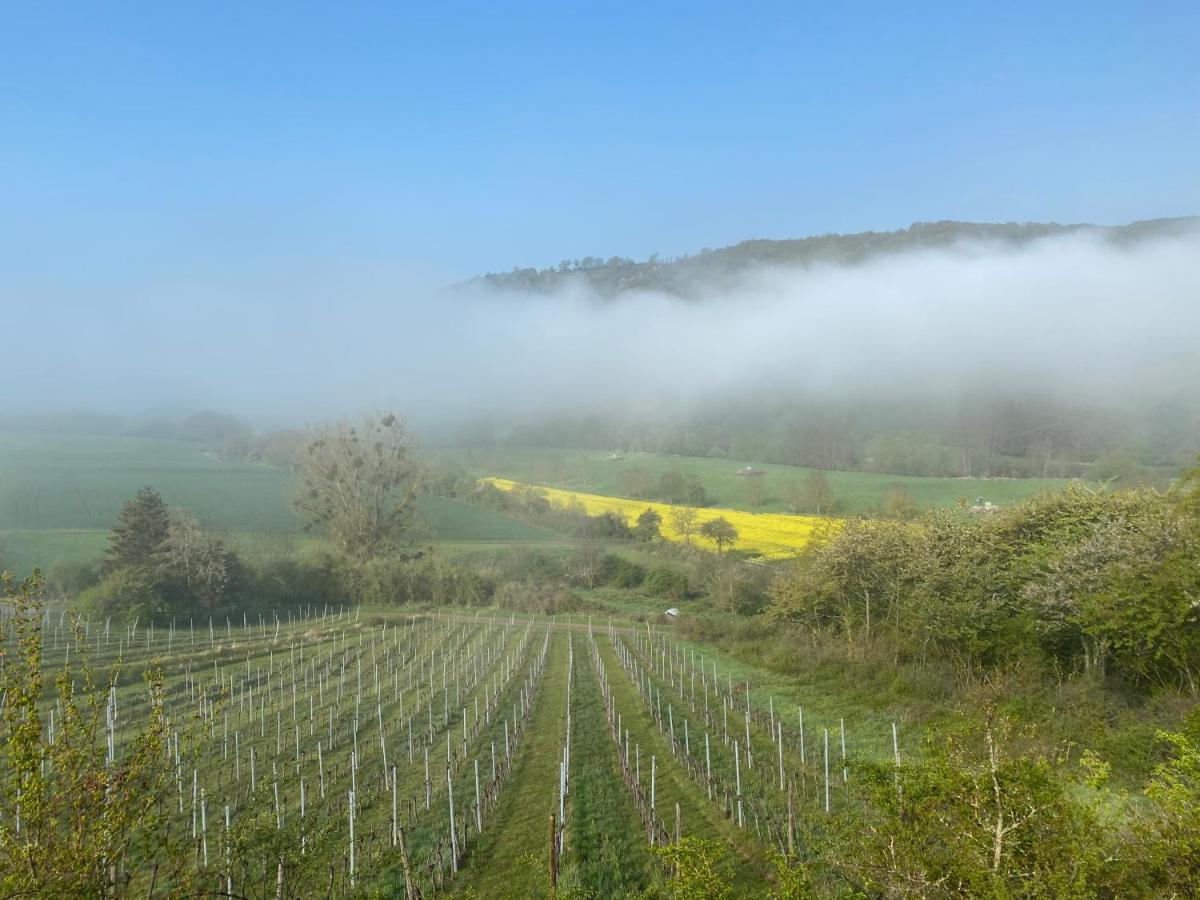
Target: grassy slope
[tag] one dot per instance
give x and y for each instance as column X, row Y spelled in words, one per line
column 828, row 693
column 444, row 519
column 22, row 551
column 924, row 704
column 60, row 494
column 78, row 482
column 855, row 492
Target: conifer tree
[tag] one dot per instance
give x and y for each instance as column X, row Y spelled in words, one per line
column 139, row 533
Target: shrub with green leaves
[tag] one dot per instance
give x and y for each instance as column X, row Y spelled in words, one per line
column 71, row 819
column 667, row 583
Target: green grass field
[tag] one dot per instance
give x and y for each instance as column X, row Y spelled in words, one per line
column 80, row 482
column 854, row 492
column 445, row 519
column 60, row 494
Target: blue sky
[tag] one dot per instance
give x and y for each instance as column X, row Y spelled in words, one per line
column 170, row 142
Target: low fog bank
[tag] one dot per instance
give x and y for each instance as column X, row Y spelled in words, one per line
column 1070, row 316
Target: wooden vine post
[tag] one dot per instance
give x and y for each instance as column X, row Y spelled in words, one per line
column 553, row 854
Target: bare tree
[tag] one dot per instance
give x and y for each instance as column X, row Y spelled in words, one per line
column 358, row 484
column 197, row 562
column 587, row 566
column 757, row 491
column 721, row 584
column 818, row 493
column 794, row 495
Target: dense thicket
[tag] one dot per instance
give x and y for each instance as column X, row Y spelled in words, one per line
column 983, row 813
column 1089, row 580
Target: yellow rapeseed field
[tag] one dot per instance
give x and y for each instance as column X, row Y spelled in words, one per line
column 769, row 534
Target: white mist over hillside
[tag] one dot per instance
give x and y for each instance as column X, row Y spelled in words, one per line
column 1075, row 315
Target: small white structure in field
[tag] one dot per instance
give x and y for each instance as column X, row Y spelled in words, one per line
column 673, row 612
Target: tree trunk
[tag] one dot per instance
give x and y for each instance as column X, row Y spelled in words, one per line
column 998, row 832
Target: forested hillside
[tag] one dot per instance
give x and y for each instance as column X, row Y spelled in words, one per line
column 692, row 275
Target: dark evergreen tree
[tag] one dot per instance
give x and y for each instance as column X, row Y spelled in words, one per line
column 139, row 534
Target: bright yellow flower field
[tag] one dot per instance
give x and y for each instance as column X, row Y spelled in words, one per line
column 769, row 534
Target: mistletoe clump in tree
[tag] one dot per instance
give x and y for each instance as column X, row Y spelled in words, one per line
column 358, row 484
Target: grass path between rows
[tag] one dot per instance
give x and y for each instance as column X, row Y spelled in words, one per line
column 745, row 864
column 511, row 857
column 607, row 854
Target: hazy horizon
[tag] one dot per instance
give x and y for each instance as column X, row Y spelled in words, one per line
column 257, row 210
column 1073, row 317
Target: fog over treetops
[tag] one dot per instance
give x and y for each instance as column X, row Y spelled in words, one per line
column 1098, row 316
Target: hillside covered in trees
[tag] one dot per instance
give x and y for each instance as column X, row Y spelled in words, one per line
column 692, row 275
